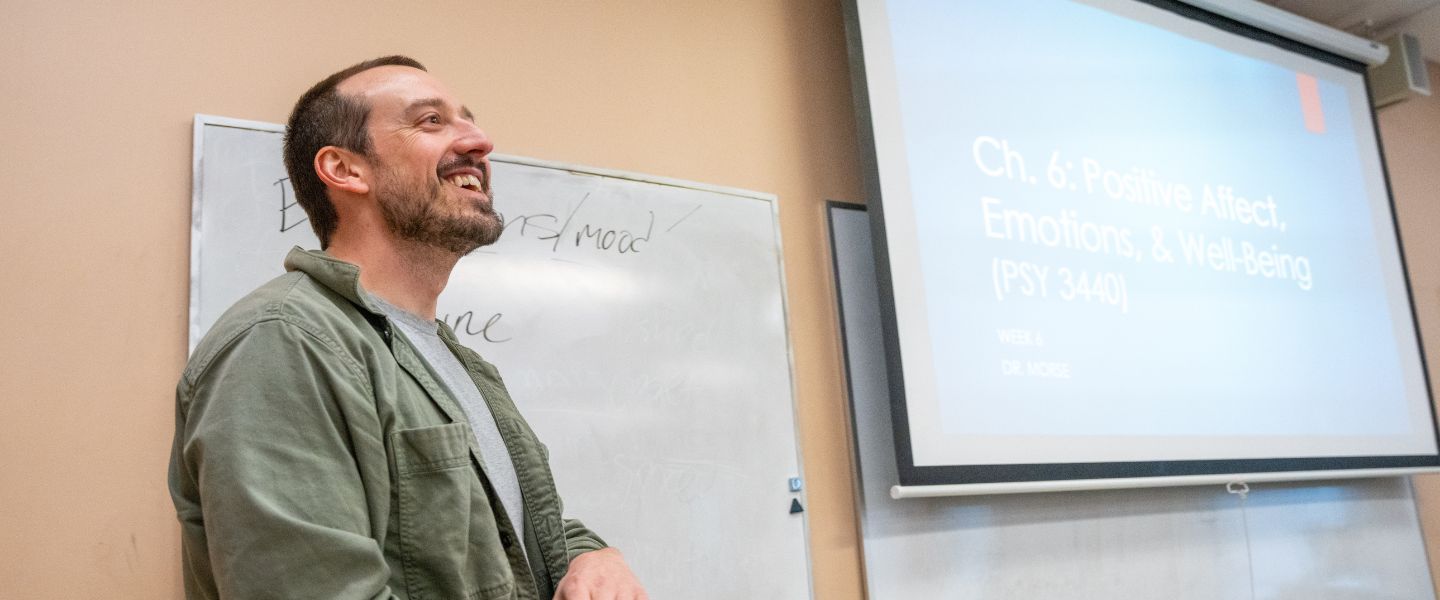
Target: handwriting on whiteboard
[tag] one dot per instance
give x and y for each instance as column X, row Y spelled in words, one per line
column 574, row 231
column 468, row 324
column 288, row 208
column 571, row 231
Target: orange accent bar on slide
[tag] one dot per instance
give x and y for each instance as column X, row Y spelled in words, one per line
column 1310, row 102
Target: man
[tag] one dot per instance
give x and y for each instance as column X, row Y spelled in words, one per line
column 332, row 439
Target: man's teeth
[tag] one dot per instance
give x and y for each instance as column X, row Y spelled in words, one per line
column 465, row 181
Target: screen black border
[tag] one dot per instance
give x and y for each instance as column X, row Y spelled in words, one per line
column 912, row 475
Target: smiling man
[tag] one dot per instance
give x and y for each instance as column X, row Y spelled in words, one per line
column 333, row 440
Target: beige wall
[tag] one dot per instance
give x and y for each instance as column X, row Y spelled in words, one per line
column 95, row 112
column 1410, row 133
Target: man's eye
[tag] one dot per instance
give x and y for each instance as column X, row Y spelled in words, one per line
column 435, row 119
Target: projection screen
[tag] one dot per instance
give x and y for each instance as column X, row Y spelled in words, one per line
column 1121, row 240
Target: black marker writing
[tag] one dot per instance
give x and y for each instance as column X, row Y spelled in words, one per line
column 677, row 222
column 465, row 323
column 286, row 204
column 619, row 239
column 572, row 231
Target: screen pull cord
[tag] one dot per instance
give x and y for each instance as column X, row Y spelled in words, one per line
column 1242, row 491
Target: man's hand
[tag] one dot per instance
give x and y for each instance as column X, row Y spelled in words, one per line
column 599, row 575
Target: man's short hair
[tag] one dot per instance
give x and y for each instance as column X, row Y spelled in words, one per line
column 325, row 117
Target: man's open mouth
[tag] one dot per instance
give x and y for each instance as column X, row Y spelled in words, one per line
column 465, row 180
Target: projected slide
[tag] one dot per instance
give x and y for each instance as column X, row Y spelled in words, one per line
column 1130, row 236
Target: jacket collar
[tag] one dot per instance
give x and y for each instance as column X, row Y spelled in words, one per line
column 341, row 277
column 344, row 278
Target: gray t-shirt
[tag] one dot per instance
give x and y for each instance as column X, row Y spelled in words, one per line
column 425, row 336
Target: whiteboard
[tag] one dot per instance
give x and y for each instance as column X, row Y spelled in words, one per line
column 1351, row 540
column 639, row 323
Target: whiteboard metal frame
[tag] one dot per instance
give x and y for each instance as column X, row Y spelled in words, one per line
column 197, row 183
column 201, row 121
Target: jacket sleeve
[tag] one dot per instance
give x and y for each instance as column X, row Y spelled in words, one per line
column 579, row 539
column 278, row 459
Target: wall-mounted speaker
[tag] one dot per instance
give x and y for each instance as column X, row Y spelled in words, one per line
column 1403, row 75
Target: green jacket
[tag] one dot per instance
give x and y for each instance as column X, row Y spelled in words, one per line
column 315, row 457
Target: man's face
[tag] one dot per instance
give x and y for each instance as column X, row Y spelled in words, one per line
column 432, row 174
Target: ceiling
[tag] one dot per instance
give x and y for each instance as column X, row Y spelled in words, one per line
column 1375, row 19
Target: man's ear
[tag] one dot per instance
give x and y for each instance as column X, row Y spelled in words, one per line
column 342, row 169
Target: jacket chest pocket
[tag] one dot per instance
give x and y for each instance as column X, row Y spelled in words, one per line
column 449, row 542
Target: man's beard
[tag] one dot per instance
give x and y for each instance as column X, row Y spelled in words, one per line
column 421, row 217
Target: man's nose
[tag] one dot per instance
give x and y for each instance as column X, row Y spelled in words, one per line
column 473, row 140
